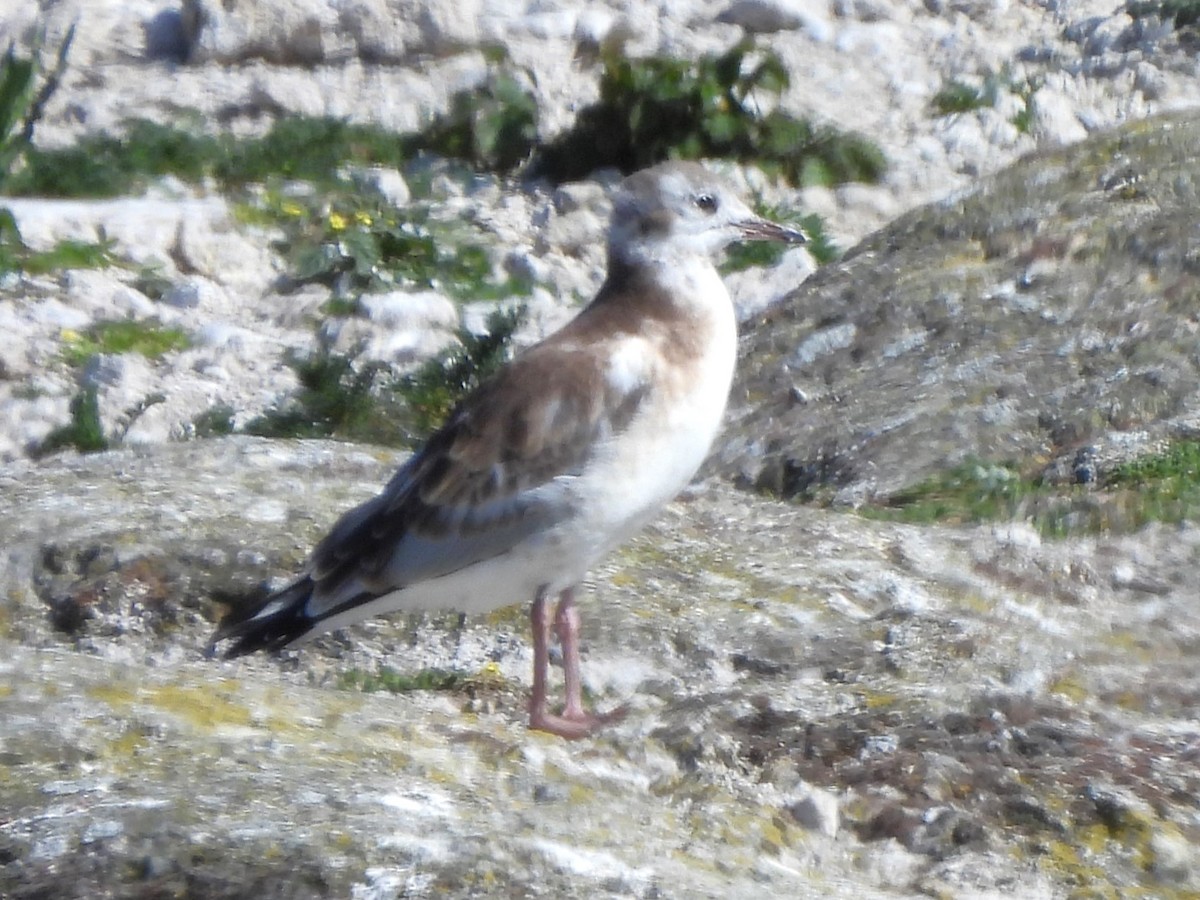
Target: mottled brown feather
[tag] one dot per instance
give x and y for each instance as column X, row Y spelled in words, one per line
column 538, row 419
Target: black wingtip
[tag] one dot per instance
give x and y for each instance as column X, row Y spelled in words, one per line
column 269, row 624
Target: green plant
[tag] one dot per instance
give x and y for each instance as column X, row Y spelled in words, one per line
column 959, row 97
column 436, row 388
column 67, row 254
column 660, row 108
column 123, row 336
column 971, row 492
column 343, row 398
column 1163, row 486
column 84, row 432
column 357, row 241
column 336, row 399
column 493, row 127
column 1183, row 13
column 214, row 422
column 297, row 147
column 755, row 254
column 1160, row 487
column 1023, row 119
column 22, row 101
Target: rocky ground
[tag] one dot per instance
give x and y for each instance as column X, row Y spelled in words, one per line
column 818, row 701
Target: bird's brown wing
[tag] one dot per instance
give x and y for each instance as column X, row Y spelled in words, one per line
column 497, row 472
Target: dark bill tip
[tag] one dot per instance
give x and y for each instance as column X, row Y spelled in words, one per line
column 765, row 230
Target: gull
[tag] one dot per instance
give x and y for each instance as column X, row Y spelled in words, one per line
column 558, row 458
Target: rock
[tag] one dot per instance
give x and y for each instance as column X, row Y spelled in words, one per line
column 768, row 16
column 445, row 27
column 1172, row 858
column 241, row 263
column 195, row 292
column 104, row 296
column 821, row 343
column 815, row 809
column 1056, row 119
column 130, row 549
column 405, row 309
column 833, row 338
column 594, row 27
column 57, row 315
column 388, row 182
column 756, row 290
column 274, row 30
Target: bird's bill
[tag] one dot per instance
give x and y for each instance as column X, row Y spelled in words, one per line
column 766, row 230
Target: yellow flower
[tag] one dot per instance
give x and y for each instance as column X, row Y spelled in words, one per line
column 291, row 208
column 70, row 335
column 362, row 217
column 337, row 221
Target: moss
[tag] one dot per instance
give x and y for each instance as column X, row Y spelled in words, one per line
column 202, row 707
column 1069, row 686
column 877, row 700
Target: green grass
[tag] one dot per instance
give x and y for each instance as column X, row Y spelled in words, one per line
column 301, row 148
column 1160, row 487
column 124, row 336
column 660, row 108
column 971, row 492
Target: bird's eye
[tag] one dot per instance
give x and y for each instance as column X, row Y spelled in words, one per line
column 707, row 202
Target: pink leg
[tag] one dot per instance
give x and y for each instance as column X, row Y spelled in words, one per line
column 541, row 658
column 566, row 623
column 574, row 722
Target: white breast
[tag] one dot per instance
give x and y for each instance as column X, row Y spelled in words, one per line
column 661, row 449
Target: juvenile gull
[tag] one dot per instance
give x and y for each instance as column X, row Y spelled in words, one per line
column 555, row 460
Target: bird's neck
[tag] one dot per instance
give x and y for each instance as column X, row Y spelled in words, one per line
column 685, row 285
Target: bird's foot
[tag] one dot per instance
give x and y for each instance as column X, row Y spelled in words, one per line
column 574, row 725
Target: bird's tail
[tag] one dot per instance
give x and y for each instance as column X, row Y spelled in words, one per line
column 271, row 624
